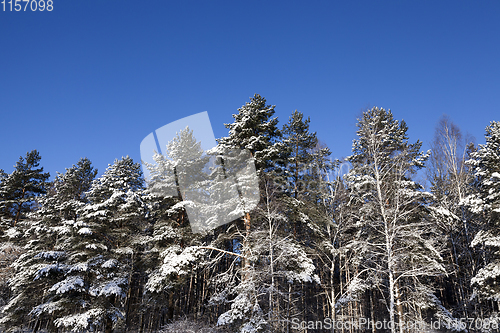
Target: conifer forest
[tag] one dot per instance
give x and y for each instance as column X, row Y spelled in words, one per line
column 389, row 239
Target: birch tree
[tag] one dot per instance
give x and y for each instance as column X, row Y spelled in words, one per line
column 450, row 179
column 395, row 237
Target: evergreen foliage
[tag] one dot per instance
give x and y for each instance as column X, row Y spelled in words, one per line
column 485, row 202
column 395, row 241
column 255, row 130
column 113, row 254
column 20, row 188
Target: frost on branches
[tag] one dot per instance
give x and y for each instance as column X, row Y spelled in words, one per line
column 394, row 240
column 486, row 203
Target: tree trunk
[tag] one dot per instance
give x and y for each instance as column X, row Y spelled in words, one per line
column 170, row 312
column 372, row 311
column 391, row 302
column 109, row 326
column 246, row 261
column 20, row 207
column 399, row 307
column 37, row 325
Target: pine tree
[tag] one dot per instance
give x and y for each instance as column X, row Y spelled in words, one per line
column 255, row 130
column 304, row 165
column 278, row 266
column 179, row 202
column 299, row 143
column 66, row 194
column 3, row 176
column 273, row 265
column 37, row 269
column 486, row 204
column 395, row 240
column 22, row 186
column 93, row 277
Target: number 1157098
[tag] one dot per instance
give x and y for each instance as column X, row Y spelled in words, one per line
column 27, row 5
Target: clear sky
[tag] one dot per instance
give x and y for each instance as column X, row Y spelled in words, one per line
column 93, row 78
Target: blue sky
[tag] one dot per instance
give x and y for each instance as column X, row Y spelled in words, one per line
column 93, row 78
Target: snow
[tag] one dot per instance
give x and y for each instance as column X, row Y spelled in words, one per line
column 240, row 307
column 95, row 246
column 80, row 267
column 47, row 270
column 12, row 233
column 62, row 230
column 178, row 263
column 50, row 255
column 488, row 273
column 48, row 308
column 111, row 263
column 355, row 288
column 164, row 233
column 124, row 250
column 71, row 283
column 81, row 321
column 109, row 288
column 85, row 231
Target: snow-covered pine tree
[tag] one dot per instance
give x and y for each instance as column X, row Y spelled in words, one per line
column 18, row 192
column 93, row 276
column 299, row 152
column 179, row 185
column 255, row 129
column 43, row 235
column 395, row 238
column 485, row 163
column 3, row 176
column 66, row 195
column 274, row 265
column 20, row 188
